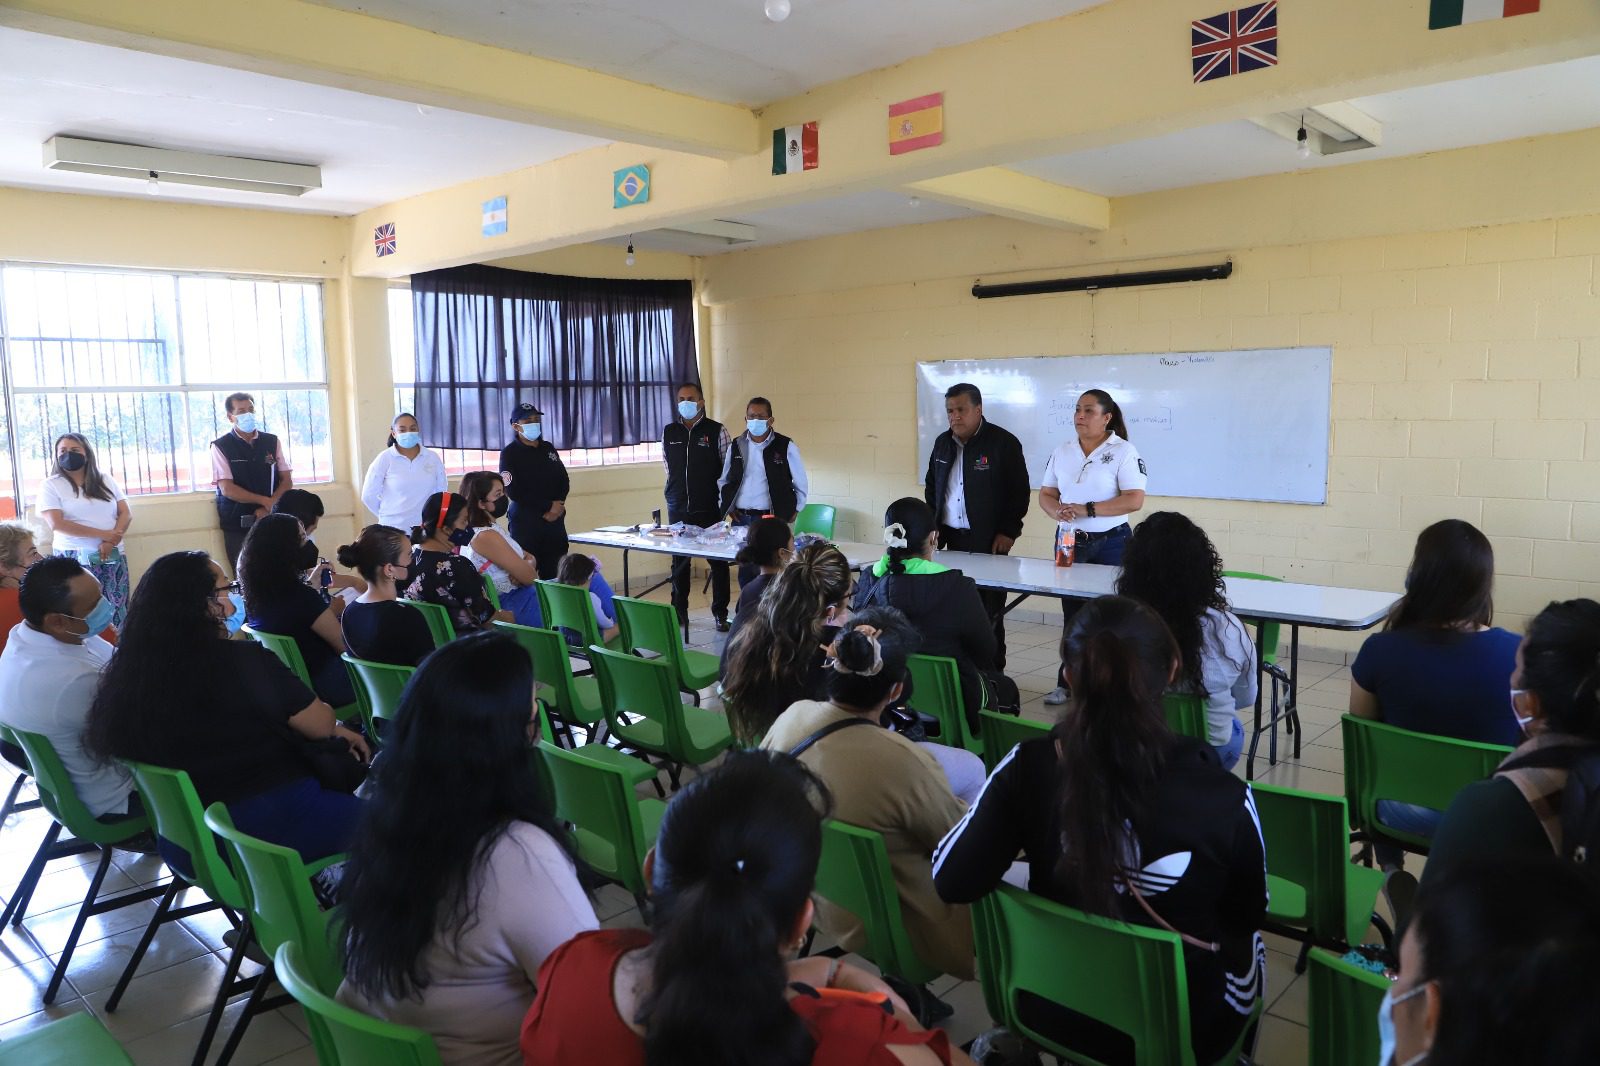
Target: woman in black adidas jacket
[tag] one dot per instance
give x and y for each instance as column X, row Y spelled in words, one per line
column 1113, row 784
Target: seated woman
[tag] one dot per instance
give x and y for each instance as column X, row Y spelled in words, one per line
column 439, row 575
column 492, row 551
column 178, row 693
column 1438, row 667
column 943, row 604
column 1112, row 784
column 583, row 572
column 307, row 506
column 1555, row 698
column 769, row 545
column 775, row 659
column 1170, row 565
column 1493, row 965
column 277, row 600
column 882, row 781
column 713, row 981
column 455, row 813
column 17, row 553
column 377, row 626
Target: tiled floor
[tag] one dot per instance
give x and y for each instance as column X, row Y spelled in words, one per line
column 160, row 1018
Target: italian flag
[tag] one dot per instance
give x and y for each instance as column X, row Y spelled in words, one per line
column 794, row 148
column 1443, row 13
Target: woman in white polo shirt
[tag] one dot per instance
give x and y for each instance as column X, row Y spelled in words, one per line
column 403, row 476
column 1090, row 486
column 88, row 514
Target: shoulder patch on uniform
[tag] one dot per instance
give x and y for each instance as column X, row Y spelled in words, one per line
column 1142, row 470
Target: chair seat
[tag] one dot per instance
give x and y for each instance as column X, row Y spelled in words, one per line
column 708, row 733
column 1288, row 901
column 70, row 1041
column 699, row 669
column 637, row 770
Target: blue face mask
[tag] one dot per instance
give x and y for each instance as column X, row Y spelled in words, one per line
column 408, row 440
column 246, row 422
column 530, row 430
column 98, row 618
column 756, row 426
column 687, row 409
column 462, row 537
column 236, row 619
column 1386, row 1035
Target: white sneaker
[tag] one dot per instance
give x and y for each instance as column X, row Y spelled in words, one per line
column 1056, row 696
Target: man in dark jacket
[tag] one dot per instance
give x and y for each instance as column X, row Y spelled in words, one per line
column 693, row 449
column 977, row 485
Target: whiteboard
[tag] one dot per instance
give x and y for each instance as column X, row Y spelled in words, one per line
column 1241, row 425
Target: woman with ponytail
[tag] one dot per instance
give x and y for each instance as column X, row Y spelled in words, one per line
column 439, row 574
column 730, row 881
column 1117, row 816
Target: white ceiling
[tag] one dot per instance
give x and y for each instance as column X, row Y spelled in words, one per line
column 372, row 150
column 721, row 49
column 1496, row 107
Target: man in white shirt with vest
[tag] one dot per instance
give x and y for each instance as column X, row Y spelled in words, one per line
column 763, row 474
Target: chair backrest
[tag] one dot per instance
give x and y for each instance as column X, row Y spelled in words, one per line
column 552, row 664
column 1126, row 976
column 1307, row 840
column 60, row 798
column 647, row 687
column 490, row 591
column 1344, row 1010
column 1186, row 715
column 854, row 874
column 569, row 607
column 936, row 691
column 1269, row 630
column 171, row 802
column 1002, row 732
column 284, row 648
column 378, row 687
column 601, row 806
column 438, row 619
column 344, row 1036
column 277, row 891
column 815, row 518
column 648, row 626
column 1386, row 762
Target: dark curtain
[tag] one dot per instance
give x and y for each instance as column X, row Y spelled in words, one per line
column 602, row 358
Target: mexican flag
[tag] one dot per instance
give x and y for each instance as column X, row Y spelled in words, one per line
column 794, row 148
column 1444, row 13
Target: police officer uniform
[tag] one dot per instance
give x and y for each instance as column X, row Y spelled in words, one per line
column 536, row 478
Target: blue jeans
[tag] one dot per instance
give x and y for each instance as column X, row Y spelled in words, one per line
column 523, row 603
column 1106, row 550
column 1229, row 752
column 1408, row 818
column 298, row 814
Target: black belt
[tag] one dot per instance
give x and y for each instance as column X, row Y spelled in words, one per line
column 1085, row 536
column 757, row 511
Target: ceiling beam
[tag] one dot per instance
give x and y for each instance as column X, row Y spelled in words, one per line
column 999, row 191
column 326, row 46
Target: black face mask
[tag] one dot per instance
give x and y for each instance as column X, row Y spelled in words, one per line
column 72, row 461
column 461, row 537
column 307, row 556
column 500, row 506
column 405, row 577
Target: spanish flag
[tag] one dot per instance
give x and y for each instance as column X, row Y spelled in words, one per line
column 915, row 124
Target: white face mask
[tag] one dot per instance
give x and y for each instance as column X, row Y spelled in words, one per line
column 1522, row 722
column 1386, row 1036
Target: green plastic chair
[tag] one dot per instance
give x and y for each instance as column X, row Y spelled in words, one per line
column 343, row 1035
column 612, row 826
column 1317, row 895
column 568, row 607
column 1129, row 977
column 936, row 691
column 1271, row 633
column 288, row 653
column 59, row 797
column 854, row 875
column 1344, row 1011
column 662, row 725
column 653, row 627
column 71, row 1041
column 1186, row 715
column 815, row 518
column 378, row 687
column 490, row 591
column 283, row 910
column 438, row 619
column 1002, row 732
column 1386, row 762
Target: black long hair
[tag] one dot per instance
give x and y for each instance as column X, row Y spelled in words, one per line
column 94, row 482
column 1512, row 946
column 1171, row 566
column 735, row 863
column 765, row 543
column 1114, row 740
column 475, row 488
column 270, row 562
column 1561, row 663
column 1451, row 579
column 1117, row 424
column 916, row 517
column 454, row 775
column 429, row 523
column 166, row 669
column 852, row 682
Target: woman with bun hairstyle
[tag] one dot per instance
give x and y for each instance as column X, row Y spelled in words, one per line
column 377, row 626
column 713, row 982
column 439, row 574
column 769, row 546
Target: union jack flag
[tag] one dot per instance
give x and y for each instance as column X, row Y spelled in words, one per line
column 383, row 239
column 1235, row 41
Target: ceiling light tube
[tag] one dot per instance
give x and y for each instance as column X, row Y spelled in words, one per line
column 138, row 162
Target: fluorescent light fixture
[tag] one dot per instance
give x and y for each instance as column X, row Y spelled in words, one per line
column 180, row 168
column 1330, row 128
column 715, row 230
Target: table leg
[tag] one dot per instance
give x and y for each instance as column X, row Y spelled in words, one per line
column 625, row 591
column 1255, row 733
column 1294, row 685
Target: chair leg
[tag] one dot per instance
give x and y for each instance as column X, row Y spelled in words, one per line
column 30, row 878
column 1384, row 932
column 225, row 992
column 252, row 1007
column 1304, row 956
column 11, row 797
column 156, row 920
column 77, row 926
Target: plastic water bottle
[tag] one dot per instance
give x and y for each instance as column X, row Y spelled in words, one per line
column 1066, row 545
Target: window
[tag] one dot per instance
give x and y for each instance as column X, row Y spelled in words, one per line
column 402, row 357
column 140, row 363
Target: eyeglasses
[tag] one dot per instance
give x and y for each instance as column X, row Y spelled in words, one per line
column 224, row 590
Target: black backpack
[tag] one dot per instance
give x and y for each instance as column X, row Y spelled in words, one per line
column 1580, row 800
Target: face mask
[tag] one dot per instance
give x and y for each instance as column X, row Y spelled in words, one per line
column 236, row 619
column 1386, row 1028
column 461, row 537
column 307, row 556
column 1522, row 723
column 246, row 422
column 499, row 507
column 756, row 426
column 530, row 430
column 404, row 578
column 687, row 409
column 98, row 618
column 408, row 440
column 72, row 460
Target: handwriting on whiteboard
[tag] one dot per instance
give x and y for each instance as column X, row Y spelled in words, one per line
column 1185, row 360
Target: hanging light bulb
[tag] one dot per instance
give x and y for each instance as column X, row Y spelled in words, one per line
column 153, row 186
column 1303, row 143
column 913, row 201
column 629, row 259
column 777, row 10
